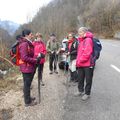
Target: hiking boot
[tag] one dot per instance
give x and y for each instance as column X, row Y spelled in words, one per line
column 31, row 104
column 42, row 83
column 73, row 83
column 31, row 87
column 78, row 94
column 33, row 98
column 85, row 97
column 51, row 72
column 76, row 81
column 71, row 80
column 56, row 71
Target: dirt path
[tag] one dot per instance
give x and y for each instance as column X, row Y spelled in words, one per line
column 52, row 99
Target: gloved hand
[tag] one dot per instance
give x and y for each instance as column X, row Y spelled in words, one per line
column 38, row 60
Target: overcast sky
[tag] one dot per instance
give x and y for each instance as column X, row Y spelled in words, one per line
column 20, row 11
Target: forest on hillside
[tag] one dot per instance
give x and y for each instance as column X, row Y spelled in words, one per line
column 63, row 16
column 5, row 42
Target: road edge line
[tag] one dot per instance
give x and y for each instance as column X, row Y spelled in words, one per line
column 116, row 68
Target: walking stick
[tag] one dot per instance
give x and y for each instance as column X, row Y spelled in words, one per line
column 55, row 62
column 39, row 88
column 65, row 65
column 39, row 82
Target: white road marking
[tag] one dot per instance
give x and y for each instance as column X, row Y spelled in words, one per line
column 116, row 68
column 115, row 45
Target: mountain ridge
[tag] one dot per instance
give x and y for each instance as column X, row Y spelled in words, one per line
column 9, row 26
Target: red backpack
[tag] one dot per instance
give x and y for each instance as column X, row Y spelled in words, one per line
column 14, row 54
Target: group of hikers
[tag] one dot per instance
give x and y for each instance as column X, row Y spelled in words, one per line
column 79, row 50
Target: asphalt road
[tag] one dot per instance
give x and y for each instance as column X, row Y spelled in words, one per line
column 104, row 103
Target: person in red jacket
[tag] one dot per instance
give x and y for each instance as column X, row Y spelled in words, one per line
column 39, row 48
column 84, row 62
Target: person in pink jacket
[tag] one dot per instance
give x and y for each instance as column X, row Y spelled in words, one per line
column 84, row 63
column 39, row 49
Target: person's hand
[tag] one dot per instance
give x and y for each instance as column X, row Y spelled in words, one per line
column 52, row 52
column 62, row 49
column 41, row 55
column 57, row 52
column 68, row 53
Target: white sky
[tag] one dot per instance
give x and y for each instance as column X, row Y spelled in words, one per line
column 20, row 11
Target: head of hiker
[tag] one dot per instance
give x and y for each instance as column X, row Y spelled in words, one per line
column 82, row 32
column 70, row 36
column 52, row 37
column 38, row 36
column 27, row 34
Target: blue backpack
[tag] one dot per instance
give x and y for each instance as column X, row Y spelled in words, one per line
column 97, row 47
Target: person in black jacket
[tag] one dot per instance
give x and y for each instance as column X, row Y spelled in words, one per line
column 72, row 52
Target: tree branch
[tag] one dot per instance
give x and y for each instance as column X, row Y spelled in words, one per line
column 7, row 60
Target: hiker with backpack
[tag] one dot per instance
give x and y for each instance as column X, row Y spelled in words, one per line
column 85, row 63
column 72, row 46
column 39, row 48
column 53, row 50
column 27, row 65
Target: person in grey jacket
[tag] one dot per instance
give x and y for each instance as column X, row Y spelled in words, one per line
column 53, row 50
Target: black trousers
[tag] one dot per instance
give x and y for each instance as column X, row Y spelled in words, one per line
column 53, row 61
column 27, row 80
column 85, row 74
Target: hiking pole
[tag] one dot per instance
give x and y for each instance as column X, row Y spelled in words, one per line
column 39, row 92
column 39, row 78
column 65, row 68
column 55, row 62
column 65, row 65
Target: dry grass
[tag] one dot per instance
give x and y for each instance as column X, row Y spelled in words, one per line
column 6, row 114
column 10, row 81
